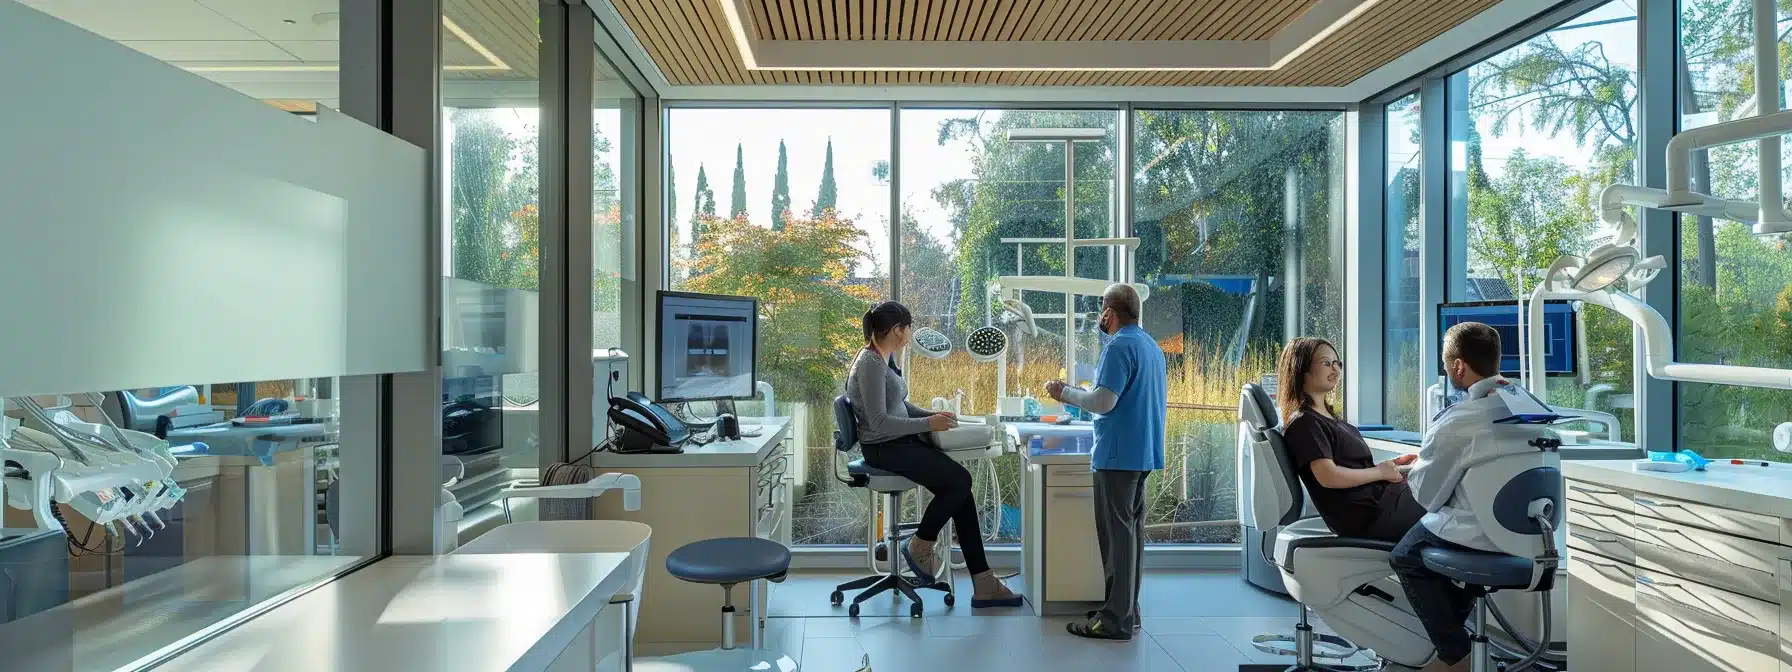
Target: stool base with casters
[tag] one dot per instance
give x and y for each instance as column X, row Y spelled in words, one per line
column 1311, row 647
column 891, row 487
column 728, row 562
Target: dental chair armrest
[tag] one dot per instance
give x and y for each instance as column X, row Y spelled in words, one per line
column 1342, row 542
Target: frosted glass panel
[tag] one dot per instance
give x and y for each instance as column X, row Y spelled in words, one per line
column 161, row 227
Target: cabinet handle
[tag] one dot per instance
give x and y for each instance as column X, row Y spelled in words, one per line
column 1607, row 564
column 1597, row 540
column 1664, row 530
column 1651, row 502
column 1658, row 585
column 1591, row 491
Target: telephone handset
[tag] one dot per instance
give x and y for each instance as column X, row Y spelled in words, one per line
column 645, row 427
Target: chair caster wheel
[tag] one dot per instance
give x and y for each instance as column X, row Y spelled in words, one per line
column 838, row 598
column 914, row 610
column 853, row 611
column 950, row 600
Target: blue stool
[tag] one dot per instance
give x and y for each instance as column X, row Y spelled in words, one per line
column 727, row 563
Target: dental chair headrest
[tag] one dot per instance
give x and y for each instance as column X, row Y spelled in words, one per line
column 1257, row 408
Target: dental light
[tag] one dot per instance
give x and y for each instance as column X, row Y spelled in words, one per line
column 986, row 344
column 931, row 343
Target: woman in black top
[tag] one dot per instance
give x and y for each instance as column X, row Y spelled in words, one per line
column 1356, row 496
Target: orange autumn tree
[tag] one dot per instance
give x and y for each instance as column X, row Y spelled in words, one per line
column 809, row 308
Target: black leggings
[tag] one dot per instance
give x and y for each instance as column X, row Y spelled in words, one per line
column 913, row 458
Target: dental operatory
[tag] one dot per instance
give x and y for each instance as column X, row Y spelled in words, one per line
column 895, row 335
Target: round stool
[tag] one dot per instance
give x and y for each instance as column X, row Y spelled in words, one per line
column 727, row 563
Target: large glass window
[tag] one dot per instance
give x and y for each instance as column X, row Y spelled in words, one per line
column 1735, row 287
column 801, row 223
column 1402, row 382
column 615, row 184
column 1238, row 218
column 1537, row 132
column 977, row 206
column 491, row 298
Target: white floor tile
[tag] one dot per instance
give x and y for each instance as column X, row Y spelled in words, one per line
column 1202, row 653
column 1177, row 626
column 834, row 655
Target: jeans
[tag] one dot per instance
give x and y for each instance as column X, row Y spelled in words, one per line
column 913, row 458
column 1441, row 606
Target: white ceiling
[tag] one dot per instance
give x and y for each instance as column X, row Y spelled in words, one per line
column 211, row 32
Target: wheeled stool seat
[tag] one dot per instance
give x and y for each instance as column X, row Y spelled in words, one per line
column 728, row 562
column 891, row 487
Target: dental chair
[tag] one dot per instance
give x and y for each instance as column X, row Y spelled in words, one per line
column 1346, row 580
column 1349, row 583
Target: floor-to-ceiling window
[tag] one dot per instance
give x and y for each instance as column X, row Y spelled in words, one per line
column 1238, row 214
column 491, row 222
column 1536, row 132
column 1403, row 373
column 977, row 205
column 615, row 188
column 789, row 206
column 1735, row 287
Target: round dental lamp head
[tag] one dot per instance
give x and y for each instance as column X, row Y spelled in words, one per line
column 1605, row 266
column 930, row 342
column 986, row 344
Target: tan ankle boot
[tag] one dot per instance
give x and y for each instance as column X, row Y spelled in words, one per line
column 922, row 558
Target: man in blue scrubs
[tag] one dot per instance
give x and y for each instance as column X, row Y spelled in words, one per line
column 1129, row 401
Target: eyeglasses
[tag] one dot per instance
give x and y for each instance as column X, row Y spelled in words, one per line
column 1332, row 363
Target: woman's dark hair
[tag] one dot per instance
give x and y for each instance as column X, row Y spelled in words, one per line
column 1291, row 377
column 885, row 316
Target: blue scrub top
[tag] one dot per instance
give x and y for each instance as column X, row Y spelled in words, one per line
column 1131, row 436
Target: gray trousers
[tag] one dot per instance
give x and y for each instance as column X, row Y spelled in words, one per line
column 1120, row 531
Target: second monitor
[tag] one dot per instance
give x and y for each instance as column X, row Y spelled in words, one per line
column 707, row 347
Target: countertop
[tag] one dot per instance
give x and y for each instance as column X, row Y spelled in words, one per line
column 1763, row 490
column 1061, row 442
column 447, row 613
column 155, row 611
column 747, row 452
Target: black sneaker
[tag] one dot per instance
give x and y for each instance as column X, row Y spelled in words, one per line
column 1100, row 626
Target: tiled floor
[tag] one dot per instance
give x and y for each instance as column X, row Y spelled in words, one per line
column 1194, row 622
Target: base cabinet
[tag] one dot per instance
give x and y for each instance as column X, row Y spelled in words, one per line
column 1602, row 633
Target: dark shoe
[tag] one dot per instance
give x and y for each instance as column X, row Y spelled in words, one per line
column 1137, row 621
column 1101, row 626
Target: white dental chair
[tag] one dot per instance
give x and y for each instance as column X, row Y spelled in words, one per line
column 1346, row 580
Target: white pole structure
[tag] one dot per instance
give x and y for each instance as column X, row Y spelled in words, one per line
column 1067, row 137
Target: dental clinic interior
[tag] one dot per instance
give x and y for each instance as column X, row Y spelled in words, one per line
column 520, row 335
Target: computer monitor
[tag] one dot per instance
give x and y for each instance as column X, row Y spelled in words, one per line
column 708, row 347
column 1561, row 333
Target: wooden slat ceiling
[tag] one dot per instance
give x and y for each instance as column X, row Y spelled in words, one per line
column 690, row 42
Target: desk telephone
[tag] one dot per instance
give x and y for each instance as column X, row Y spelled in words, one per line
column 646, row 427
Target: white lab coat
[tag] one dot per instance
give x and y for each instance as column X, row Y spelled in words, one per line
column 1464, row 434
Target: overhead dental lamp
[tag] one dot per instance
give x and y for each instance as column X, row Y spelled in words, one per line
column 1605, row 266
column 1023, row 314
column 986, row 344
column 931, row 343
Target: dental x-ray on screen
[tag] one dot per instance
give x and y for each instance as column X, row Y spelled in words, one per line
column 707, row 346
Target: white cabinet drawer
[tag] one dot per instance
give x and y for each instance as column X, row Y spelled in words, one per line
column 1590, row 493
column 1602, row 530
column 1601, row 614
column 1729, row 521
column 1725, row 561
column 1687, row 627
column 1066, row 476
column 1072, row 561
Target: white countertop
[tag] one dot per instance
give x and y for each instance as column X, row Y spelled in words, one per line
column 1054, row 436
column 155, row 611
column 1763, row 490
column 745, row 452
column 447, row 613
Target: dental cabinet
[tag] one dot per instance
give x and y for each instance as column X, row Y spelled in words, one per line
column 1059, row 557
column 739, row 488
column 1679, row 572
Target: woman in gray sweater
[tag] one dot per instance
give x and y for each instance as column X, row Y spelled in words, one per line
column 894, row 435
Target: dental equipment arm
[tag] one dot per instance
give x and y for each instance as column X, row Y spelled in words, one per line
column 1098, row 400
column 628, row 483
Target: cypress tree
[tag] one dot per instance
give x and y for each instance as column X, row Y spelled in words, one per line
column 781, row 189
column 737, row 201
column 829, row 196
